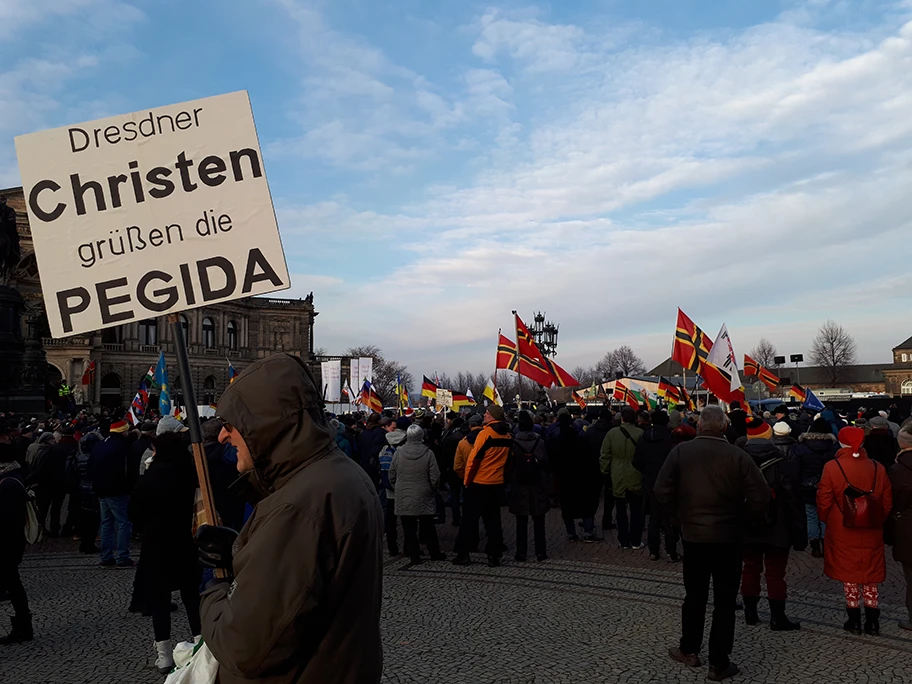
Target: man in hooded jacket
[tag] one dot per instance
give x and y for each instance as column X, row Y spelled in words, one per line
column 303, row 603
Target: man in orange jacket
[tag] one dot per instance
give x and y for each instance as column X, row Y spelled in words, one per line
column 484, row 483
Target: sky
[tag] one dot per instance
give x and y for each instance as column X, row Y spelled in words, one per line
column 436, row 165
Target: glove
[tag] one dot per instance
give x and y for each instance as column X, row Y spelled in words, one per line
column 214, row 543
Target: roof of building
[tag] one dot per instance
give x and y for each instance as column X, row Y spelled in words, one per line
column 864, row 373
column 905, row 345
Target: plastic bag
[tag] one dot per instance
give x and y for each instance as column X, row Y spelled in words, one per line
column 193, row 664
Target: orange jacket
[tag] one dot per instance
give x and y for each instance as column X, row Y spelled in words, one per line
column 463, row 449
column 489, row 456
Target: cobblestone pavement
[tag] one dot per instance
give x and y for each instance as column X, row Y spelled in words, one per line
column 592, row 613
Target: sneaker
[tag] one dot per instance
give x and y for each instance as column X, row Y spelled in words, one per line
column 129, row 563
column 639, row 546
column 689, row 659
column 572, row 538
column 110, row 563
column 654, row 557
column 164, row 662
column 590, row 538
column 717, row 674
column 622, row 547
column 905, row 624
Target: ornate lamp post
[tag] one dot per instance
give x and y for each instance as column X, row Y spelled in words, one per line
column 545, row 334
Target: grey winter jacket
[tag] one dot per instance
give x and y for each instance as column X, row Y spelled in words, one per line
column 415, row 476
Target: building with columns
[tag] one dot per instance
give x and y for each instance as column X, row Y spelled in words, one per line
column 241, row 331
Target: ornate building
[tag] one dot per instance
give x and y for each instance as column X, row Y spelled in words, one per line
column 241, row 331
column 898, row 375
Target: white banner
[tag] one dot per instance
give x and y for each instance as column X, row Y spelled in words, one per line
column 144, row 214
column 332, row 378
column 324, row 379
column 354, row 378
column 366, row 366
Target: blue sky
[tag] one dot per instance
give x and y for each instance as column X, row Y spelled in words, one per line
column 436, row 165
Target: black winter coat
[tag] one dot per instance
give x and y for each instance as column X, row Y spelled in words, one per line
column 788, row 527
column 901, row 478
column 785, row 445
column 881, row 446
column 161, row 510
column 12, row 513
column 813, row 451
column 593, row 438
column 49, row 469
column 222, row 474
column 446, row 452
column 528, row 498
column 370, row 444
column 651, row 451
column 108, row 466
column 578, row 473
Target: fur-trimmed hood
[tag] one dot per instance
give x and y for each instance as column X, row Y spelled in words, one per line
column 817, row 436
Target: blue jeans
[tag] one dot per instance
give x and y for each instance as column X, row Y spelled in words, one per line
column 588, row 526
column 114, row 512
column 816, row 527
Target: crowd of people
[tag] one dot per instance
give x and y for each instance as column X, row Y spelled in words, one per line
column 732, row 494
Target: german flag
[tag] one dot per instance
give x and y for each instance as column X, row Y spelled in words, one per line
column 507, row 356
column 561, row 377
column 691, row 346
column 370, row 398
column 798, row 392
column 685, row 398
column 625, row 394
column 428, row 388
column 578, row 399
column 668, row 391
column 462, row 400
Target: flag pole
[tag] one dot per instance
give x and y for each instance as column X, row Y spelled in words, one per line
column 518, row 360
column 210, row 517
column 495, row 361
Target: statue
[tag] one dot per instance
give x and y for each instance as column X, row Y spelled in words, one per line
column 9, row 242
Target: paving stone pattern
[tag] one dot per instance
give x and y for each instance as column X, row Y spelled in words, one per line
column 591, row 613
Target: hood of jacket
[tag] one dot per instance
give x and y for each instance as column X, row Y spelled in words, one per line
column 45, row 438
column 656, row 433
column 526, row 439
column 828, row 439
column 396, row 438
column 412, row 450
column 761, row 450
column 500, row 427
column 277, row 408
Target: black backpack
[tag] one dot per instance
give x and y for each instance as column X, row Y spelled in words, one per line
column 527, row 468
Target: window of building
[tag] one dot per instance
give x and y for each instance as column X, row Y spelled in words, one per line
column 209, row 390
column 208, row 333
column 232, row 336
column 112, row 335
column 905, row 357
column 906, row 387
column 185, row 324
column 148, row 331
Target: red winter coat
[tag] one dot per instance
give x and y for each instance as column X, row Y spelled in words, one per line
column 852, row 555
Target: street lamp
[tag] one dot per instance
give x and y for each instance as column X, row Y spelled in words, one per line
column 796, row 359
column 545, row 334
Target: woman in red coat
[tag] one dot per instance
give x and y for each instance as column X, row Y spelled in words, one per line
column 854, row 556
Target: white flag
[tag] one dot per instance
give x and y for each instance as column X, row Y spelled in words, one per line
column 722, row 356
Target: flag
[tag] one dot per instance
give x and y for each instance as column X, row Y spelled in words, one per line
column 89, row 376
column 470, row 395
column 370, row 399
column 490, row 392
column 685, row 398
column 648, row 402
column 799, row 393
column 161, row 379
column 626, row 395
column 691, row 346
column 428, row 388
column 752, row 367
column 350, row 393
column 507, row 356
column 578, row 399
column 462, row 400
column 531, row 361
column 720, row 369
column 232, row 373
column 668, row 391
column 812, row 402
column 138, row 406
column 561, row 377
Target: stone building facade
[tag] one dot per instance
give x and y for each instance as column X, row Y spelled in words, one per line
column 898, row 375
column 241, row 331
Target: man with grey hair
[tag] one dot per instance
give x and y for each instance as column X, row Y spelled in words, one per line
column 711, row 490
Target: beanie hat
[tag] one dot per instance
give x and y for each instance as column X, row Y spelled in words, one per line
column 782, row 429
column 403, row 423
column 757, row 428
column 119, row 426
column 497, row 412
column 852, row 438
column 905, row 438
column 169, row 424
column 415, row 433
column 821, row 426
column 476, row 420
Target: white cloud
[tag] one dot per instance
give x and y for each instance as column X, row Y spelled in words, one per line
column 539, row 46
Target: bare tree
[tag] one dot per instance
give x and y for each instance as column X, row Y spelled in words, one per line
column 386, row 372
column 765, row 353
column 621, row 360
column 834, row 349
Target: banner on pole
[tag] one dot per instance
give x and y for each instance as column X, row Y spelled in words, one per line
column 366, row 369
column 354, row 377
column 154, row 212
column 332, row 379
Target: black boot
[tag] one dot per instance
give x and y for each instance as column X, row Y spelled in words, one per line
column 778, row 620
column 22, row 630
column 853, row 624
column 816, row 550
column 750, row 610
column 872, row 620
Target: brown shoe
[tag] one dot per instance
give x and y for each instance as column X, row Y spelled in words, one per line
column 689, row 659
column 718, row 674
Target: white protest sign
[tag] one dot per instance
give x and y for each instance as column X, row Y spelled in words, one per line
column 444, row 398
column 354, row 377
column 144, row 214
column 366, row 369
column 332, row 378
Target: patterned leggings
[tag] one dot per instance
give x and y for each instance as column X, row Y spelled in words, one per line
column 854, row 592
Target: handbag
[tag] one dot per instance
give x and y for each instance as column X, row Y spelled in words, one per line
column 193, row 664
column 861, row 510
